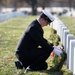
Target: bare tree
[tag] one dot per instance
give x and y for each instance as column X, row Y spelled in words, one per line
column 71, row 4
column 15, row 4
column 33, row 4
column 43, row 3
column 4, row 3
column 0, row 4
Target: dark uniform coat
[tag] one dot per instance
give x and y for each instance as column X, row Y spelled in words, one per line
column 28, row 50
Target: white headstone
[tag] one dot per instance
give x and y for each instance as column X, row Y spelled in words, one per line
column 74, row 63
column 62, row 32
column 54, row 24
column 69, row 37
column 65, row 38
column 59, row 27
column 71, row 54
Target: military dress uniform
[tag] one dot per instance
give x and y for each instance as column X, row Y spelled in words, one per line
column 28, row 51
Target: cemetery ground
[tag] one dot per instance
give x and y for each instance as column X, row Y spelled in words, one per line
column 10, row 33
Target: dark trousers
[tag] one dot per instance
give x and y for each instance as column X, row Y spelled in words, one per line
column 35, row 58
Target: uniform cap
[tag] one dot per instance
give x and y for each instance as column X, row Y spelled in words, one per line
column 49, row 15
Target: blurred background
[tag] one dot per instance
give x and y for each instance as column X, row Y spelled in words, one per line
column 34, row 7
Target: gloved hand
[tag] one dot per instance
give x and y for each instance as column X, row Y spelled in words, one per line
column 58, row 47
column 57, row 50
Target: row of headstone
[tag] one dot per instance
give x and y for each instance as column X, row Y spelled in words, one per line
column 6, row 16
column 68, row 42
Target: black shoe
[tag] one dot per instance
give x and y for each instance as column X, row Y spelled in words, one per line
column 18, row 65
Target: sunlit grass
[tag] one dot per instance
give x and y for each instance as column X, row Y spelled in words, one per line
column 69, row 23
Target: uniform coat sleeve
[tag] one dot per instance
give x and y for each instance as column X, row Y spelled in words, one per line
column 39, row 39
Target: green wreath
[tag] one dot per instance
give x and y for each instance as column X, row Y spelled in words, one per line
column 59, row 61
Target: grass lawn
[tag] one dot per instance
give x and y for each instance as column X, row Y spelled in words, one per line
column 69, row 23
column 10, row 33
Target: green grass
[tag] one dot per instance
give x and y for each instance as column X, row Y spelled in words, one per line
column 10, row 33
column 69, row 23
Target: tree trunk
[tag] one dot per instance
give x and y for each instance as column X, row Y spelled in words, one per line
column 70, row 6
column 0, row 8
column 43, row 7
column 34, row 7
